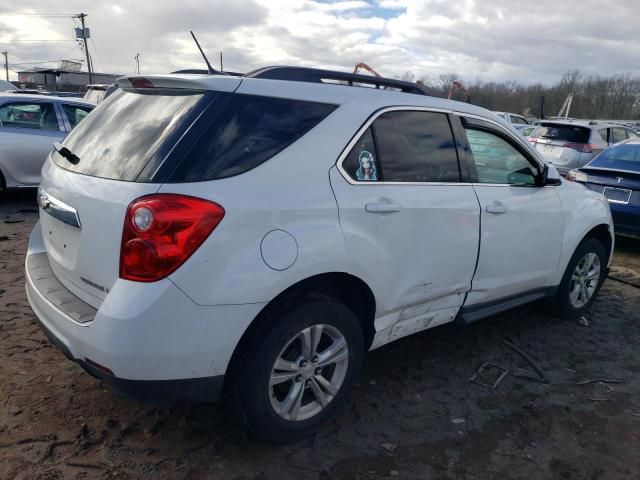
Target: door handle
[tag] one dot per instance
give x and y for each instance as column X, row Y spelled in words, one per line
column 382, row 207
column 497, row 208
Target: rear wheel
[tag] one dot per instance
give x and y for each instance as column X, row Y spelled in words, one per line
column 298, row 369
column 582, row 279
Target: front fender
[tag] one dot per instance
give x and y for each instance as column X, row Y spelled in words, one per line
column 583, row 210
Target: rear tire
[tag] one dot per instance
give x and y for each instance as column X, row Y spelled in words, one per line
column 582, row 279
column 286, row 385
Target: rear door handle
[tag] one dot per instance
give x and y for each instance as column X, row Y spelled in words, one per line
column 382, row 207
column 497, row 208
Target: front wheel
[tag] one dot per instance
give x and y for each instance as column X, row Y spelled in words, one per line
column 299, row 368
column 582, row 279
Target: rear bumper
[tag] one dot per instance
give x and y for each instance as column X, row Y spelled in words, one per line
column 155, row 343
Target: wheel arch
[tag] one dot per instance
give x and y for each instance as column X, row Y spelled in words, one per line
column 604, row 235
column 349, row 289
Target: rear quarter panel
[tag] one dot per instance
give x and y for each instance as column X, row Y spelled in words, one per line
column 289, row 192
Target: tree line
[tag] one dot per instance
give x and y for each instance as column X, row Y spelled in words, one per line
column 594, row 97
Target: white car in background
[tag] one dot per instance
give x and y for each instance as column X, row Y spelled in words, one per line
column 29, row 125
column 256, row 235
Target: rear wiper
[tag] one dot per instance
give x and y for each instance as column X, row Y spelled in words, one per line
column 66, row 153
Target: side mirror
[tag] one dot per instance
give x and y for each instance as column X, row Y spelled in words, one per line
column 550, row 176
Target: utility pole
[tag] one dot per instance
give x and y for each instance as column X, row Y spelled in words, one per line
column 82, row 16
column 6, row 64
column 137, row 57
column 221, row 69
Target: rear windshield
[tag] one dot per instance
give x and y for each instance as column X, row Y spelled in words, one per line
column 121, row 135
column 621, row 157
column 563, row 133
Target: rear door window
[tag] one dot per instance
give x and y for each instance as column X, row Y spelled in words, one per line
column 563, row 133
column 416, row 146
column 362, row 163
column 75, row 113
column 619, row 134
column 247, row 131
column 123, row 133
column 34, row 116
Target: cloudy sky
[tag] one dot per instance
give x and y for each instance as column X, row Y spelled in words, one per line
column 527, row 41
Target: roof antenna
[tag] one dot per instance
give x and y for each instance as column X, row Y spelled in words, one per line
column 209, row 67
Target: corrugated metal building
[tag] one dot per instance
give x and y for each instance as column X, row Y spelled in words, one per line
column 61, row 80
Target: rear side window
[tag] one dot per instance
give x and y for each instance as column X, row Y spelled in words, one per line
column 35, row 116
column 118, row 139
column 619, row 134
column 75, row 113
column 247, row 131
column 563, row 133
column 416, row 147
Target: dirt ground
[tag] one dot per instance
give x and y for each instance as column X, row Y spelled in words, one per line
column 415, row 413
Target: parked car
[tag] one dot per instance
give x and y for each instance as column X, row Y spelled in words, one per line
column 95, row 93
column 256, row 235
column 571, row 144
column 517, row 121
column 29, row 124
column 6, row 86
column 616, row 174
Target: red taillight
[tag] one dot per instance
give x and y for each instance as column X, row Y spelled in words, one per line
column 139, row 82
column 581, row 147
column 161, row 231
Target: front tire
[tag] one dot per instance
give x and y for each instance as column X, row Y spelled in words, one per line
column 298, row 368
column 582, row 279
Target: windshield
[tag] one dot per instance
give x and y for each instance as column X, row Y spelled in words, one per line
column 621, row 157
column 122, row 134
column 563, row 133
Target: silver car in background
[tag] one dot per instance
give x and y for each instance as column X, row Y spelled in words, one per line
column 569, row 144
column 29, row 124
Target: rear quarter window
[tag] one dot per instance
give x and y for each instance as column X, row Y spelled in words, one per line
column 245, row 132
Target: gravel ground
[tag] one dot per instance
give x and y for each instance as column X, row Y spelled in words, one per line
column 414, row 415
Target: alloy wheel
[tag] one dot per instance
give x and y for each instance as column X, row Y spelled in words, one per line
column 309, row 372
column 584, row 280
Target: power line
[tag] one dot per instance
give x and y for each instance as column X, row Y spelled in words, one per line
column 50, row 15
column 44, row 40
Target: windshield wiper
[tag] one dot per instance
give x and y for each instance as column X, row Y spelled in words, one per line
column 66, row 153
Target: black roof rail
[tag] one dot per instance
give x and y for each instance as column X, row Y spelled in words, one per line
column 200, row 71
column 316, row 75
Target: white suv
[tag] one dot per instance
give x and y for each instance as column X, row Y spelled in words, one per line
column 255, row 236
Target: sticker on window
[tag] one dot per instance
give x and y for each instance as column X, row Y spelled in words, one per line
column 366, row 167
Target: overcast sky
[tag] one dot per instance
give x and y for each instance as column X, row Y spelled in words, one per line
column 527, row 41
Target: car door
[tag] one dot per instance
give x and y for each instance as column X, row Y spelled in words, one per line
column 411, row 224
column 29, row 128
column 521, row 221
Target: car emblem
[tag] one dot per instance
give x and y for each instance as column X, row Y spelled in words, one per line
column 620, row 179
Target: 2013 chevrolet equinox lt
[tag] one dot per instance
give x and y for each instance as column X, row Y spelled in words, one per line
column 257, row 235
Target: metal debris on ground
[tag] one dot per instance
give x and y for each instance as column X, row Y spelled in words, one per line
column 526, row 374
column 487, row 366
column 583, row 321
column 599, row 380
column 389, row 447
column 528, row 358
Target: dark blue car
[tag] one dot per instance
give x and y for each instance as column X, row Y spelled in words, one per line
column 616, row 174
